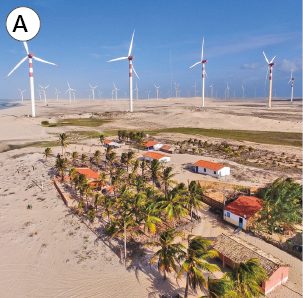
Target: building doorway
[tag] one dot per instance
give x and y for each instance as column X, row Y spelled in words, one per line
column 241, row 222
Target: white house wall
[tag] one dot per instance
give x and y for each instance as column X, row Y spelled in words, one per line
column 224, row 171
column 234, row 219
column 157, row 146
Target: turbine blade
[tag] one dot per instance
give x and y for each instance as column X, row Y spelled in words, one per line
column 289, row 81
column 26, row 47
column 135, row 72
column 38, row 59
column 46, row 86
column 121, row 58
column 66, row 90
column 16, row 67
column 272, row 59
column 265, row 57
column 131, row 45
column 202, row 49
column 194, row 65
column 207, row 75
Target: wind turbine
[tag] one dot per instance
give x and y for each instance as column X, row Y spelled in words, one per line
column 112, row 93
column 136, row 89
column 211, row 90
column 275, row 92
column 74, row 93
column 69, row 90
column 30, row 56
column 93, row 90
column 89, row 91
column 99, row 94
column 234, row 93
column 227, row 90
column 225, row 93
column 168, row 93
column 130, row 58
column 57, row 92
column 292, row 86
column 176, row 87
column 39, row 93
column 269, row 66
column 147, row 94
column 115, row 90
column 203, row 72
column 195, row 89
column 157, row 91
column 22, row 93
column 243, row 90
column 44, row 92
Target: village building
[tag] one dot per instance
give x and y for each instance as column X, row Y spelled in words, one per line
column 211, row 168
column 167, row 149
column 91, row 176
column 232, row 249
column 241, row 211
column 149, row 156
column 151, row 145
column 112, row 143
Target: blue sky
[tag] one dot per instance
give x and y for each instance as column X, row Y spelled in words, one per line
column 81, row 35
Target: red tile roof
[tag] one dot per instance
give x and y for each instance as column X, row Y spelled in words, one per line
column 209, row 165
column 244, row 206
column 90, row 174
column 165, row 147
column 149, row 143
column 107, row 142
column 154, row 155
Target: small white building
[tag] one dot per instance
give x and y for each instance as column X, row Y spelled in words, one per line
column 211, row 168
column 151, row 145
column 112, row 143
column 149, row 156
column 241, row 210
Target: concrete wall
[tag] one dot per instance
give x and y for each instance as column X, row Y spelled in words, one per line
column 279, row 277
column 234, row 219
column 157, row 146
column 222, row 172
column 163, row 159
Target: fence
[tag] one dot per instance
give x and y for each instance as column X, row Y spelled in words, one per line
column 61, row 194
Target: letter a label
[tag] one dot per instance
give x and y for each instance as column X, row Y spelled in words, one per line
column 23, row 23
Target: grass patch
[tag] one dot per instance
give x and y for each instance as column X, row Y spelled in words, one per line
column 264, row 137
column 89, row 122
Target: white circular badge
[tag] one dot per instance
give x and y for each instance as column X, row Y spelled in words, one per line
column 23, row 23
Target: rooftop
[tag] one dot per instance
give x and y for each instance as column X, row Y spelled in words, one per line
column 247, row 206
column 209, row 165
column 239, row 250
column 166, row 147
column 108, row 142
column 149, row 143
column 154, row 155
column 90, row 174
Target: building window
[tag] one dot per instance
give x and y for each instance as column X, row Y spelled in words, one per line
column 204, row 170
column 215, row 172
column 227, row 214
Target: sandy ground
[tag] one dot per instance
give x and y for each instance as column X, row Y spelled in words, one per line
column 64, row 258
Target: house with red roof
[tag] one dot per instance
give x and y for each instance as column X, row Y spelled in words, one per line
column 112, row 143
column 167, row 149
column 240, row 211
column 91, row 176
column 151, row 145
column 211, row 168
column 149, row 156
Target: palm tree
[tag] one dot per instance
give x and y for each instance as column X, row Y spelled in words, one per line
column 195, row 260
column 166, row 176
column 136, row 165
column 103, row 177
column 143, row 167
column 246, row 278
column 62, row 140
column 169, row 253
column 150, row 215
column 91, row 161
column 98, row 200
column 128, row 158
column 83, row 159
column 61, row 166
column 219, row 288
column 194, row 197
column 111, row 157
column 108, row 205
column 101, row 139
column 97, row 156
column 74, row 157
column 72, row 174
column 155, row 168
column 47, row 152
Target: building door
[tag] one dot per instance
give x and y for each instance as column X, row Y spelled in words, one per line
column 196, row 169
column 241, row 222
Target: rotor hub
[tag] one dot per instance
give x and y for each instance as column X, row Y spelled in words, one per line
column 204, row 61
column 271, row 64
column 31, row 55
column 131, row 57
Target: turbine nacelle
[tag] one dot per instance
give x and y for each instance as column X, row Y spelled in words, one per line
column 271, row 64
column 130, row 57
column 204, row 61
column 31, row 55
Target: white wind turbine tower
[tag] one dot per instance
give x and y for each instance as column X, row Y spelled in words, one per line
column 203, row 72
column 69, row 90
column 112, row 93
column 93, row 90
column 74, row 93
column 44, row 92
column 227, row 90
column 89, row 91
column 269, row 67
column 211, row 90
column 168, row 93
column 39, row 93
column 147, row 94
column 57, row 92
column 292, row 86
column 176, row 87
column 195, row 86
column 22, row 93
column 115, row 90
column 157, row 91
column 136, row 89
column 243, row 90
column 234, row 93
column 99, row 94
column 225, row 93
column 130, row 58
column 30, row 56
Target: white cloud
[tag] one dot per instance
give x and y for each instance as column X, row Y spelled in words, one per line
column 287, row 66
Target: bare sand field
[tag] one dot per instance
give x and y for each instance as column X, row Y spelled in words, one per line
column 46, row 252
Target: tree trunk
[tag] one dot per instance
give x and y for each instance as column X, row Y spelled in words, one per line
column 186, row 288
